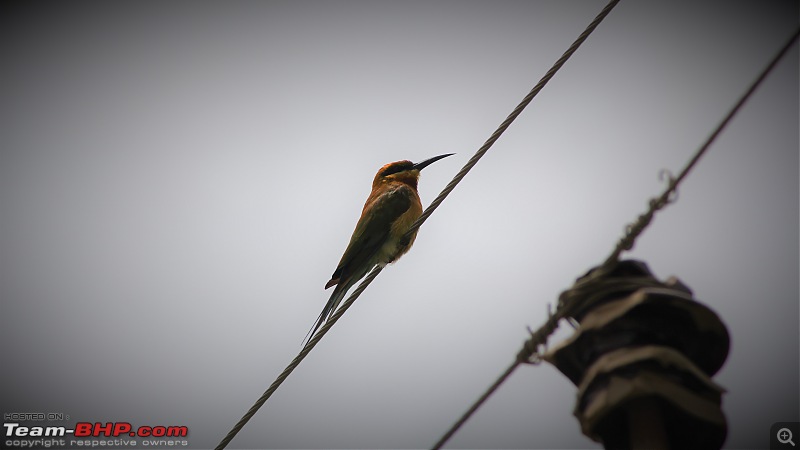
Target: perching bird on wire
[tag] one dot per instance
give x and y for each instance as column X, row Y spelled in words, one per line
column 391, row 208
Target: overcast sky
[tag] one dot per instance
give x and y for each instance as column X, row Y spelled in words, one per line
column 178, row 181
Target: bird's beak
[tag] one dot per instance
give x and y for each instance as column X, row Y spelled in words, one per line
column 429, row 161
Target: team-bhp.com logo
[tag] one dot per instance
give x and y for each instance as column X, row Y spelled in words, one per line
column 88, row 434
column 117, row 429
column 97, row 429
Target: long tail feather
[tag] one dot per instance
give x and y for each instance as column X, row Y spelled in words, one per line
column 339, row 292
column 336, row 297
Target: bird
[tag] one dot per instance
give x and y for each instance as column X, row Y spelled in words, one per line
column 391, row 208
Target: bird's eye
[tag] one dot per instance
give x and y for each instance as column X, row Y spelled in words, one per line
column 395, row 168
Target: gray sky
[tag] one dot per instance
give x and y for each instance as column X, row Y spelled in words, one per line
column 178, row 181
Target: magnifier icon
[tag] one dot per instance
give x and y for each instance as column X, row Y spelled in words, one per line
column 785, row 436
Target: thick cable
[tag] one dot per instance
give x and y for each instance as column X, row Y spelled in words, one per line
column 425, row 214
column 635, row 229
column 511, row 117
column 296, row 361
column 567, row 300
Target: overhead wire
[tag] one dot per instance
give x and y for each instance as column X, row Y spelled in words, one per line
column 423, row 217
column 530, row 352
column 511, row 117
column 296, row 361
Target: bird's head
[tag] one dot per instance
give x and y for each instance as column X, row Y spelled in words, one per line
column 404, row 171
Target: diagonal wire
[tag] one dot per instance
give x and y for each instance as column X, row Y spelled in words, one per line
column 296, row 361
column 511, row 117
column 428, row 211
column 635, row 229
column 567, row 300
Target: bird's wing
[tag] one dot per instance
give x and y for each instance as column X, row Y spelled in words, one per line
column 372, row 230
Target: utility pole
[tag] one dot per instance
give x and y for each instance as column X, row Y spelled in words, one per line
column 642, row 358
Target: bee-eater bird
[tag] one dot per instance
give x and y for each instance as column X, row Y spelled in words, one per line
column 391, row 208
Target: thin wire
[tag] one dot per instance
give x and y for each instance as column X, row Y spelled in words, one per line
column 511, row 117
column 634, row 230
column 552, row 321
column 296, row 361
column 568, row 299
column 423, row 217
column 476, row 405
column 523, row 356
column 428, row 211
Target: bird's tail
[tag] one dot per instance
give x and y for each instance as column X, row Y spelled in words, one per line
column 336, row 297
